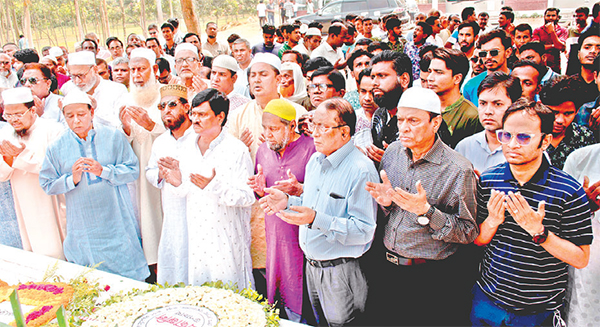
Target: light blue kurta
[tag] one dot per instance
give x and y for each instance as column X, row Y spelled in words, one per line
column 101, row 225
column 9, row 227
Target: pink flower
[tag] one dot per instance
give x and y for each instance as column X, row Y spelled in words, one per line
column 106, row 288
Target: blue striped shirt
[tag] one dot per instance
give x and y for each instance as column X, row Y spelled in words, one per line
column 334, row 186
column 517, row 273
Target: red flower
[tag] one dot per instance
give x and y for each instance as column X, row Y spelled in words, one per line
column 106, row 288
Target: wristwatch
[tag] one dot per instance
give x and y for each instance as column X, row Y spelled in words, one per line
column 540, row 238
column 424, row 219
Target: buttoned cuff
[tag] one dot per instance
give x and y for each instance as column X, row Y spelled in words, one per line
column 322, row 221
column 105, row 173
column 70, row 183
column 438, row 220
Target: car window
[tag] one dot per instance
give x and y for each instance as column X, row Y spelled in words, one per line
column 374, row 4
column 352, row 6
column 333, row 9
column 398, row 3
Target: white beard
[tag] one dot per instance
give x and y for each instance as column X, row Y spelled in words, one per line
column 147, row 95
column 4, row 73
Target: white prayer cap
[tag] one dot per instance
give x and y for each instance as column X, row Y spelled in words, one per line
column 55, row 52
column 17, row 95
column 143, row 53
column 313, row 31
column 303, row 28
column 49, row 57
column 420, row 98
column 188, row 47
column 86, row 58
column 76, row 96
column 267, row 58
column 225, row 61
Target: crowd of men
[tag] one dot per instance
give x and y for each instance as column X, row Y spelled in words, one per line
column 359, row 175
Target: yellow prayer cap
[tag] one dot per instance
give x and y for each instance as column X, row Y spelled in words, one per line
column 174, row 89
column 282, row 109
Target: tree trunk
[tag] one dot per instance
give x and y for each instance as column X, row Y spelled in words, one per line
column 159, row 11
column 123, row 18
column 105, row 24
column 27, row 23
column 14, row 20
column 5, row 22
column 189, row 16
column 171, row 8
column 143, row 16
column 62, row 29
column 78, row 16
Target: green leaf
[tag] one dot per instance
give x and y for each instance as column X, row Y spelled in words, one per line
column 16, row 307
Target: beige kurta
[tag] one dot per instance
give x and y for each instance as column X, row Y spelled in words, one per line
column 42, row 224
column 148, row 197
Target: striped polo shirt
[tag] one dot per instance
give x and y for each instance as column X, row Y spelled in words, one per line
column 517, row 273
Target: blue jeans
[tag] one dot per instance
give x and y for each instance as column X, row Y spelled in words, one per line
column 487, row 313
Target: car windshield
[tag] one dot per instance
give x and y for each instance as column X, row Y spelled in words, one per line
column 333, row 8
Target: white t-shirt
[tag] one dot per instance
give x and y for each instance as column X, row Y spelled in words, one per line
column 262, row 10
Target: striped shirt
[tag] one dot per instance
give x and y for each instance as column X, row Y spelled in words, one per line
column 517, row 273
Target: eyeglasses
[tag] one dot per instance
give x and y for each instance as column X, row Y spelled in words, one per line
column 493, row 53
column 14, row 116
column 31, row 80
column 322, row 87
column 322, row 129
column 81, row 76
column 456, row 21
column 475, row 59
column 171, row 104
column 189, row 60
column 4, row 62
column 505, row 137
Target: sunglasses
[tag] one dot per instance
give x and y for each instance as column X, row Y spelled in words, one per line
column 493, row 53
column 31, row 80
column 505, row 137
column 475, row 59
column 170, row 104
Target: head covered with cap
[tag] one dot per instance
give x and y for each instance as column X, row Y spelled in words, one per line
column 267, row 58
column 279, row 112
column 419, row 119
column 226, row 62
column 82, row 58
column 76, row 96
column 420, row 98
column 299, row 81
column 145, row 54
column 17, row 95
column 187, row 47
column 282, row 109
column 177, row 90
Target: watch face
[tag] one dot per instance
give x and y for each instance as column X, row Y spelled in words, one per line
column 540, row 238
column 422, row 220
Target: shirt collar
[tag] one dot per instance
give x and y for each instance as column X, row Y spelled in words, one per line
column 540, row 176
column 89, row 138
column 481, row 139
column 434, row 155
column 336, row 158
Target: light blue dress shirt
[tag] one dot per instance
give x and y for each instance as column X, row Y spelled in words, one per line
column 476, row 149
column 334, row 187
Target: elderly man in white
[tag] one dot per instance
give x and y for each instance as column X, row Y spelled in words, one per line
column 187, row 66
column 142, row 124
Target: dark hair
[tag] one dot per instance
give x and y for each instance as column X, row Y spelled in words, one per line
column 524, row 63
column 232, row 38
column 46, row 72
column 426, row 28
column 511, row 85
column 314, row 64
column 426, row 49
column 100, row 61
column 552, row 9
column 174, row 21
column 111, row 39
column 345, row 112
column 217, row 100
column 468, row 11
column 27, row 55
column 391, row 23
column 163, row 64
column 336, row 78
column 425, row 62
column 351, row 16
column 483, row 14
column 351, row 28
column 299, row 56
column 152, row 27
column 562, row 89
column 400, row 62
column 455, row 60
column 190, row 34
column 268, row 29
column 596, row 9
column 213, row 23
column 335, row 29
column 355, row 55
column 596, row 65
column 536, row 46
column 509, row 15
column 583, row 10
column 591, row 32
column 167, row 25
column 376, row 45
column 506, row 8
column 472, row 25
column 533, row 108
column 152, row 39
column 364, row 41
column 363, row 73
column 90, row 40
column 315, row 24
column 431, row 20
column 497, row 33
column 522, row 28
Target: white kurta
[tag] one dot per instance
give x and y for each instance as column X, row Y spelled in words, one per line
column 148, row 197
column 218, row 216
column 41, row 224
column 583, row 292
column 173, row 247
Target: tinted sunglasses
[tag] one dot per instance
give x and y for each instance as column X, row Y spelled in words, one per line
column 493, row 53
column 505, row 137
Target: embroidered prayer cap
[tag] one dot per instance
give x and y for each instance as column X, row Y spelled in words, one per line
column 76, row 96
column 281, row 108
column 267, row 58
column 143, row 53
column 49, row 57
column 86, row 58
column 225, row 61
column 420, row 98
column 175, row 90
column 313, row 31
column 186, row 46
column 303, row 28
column 55, row 52
column 17, row 95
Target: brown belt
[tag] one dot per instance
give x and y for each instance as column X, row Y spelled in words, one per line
column 402, row 261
